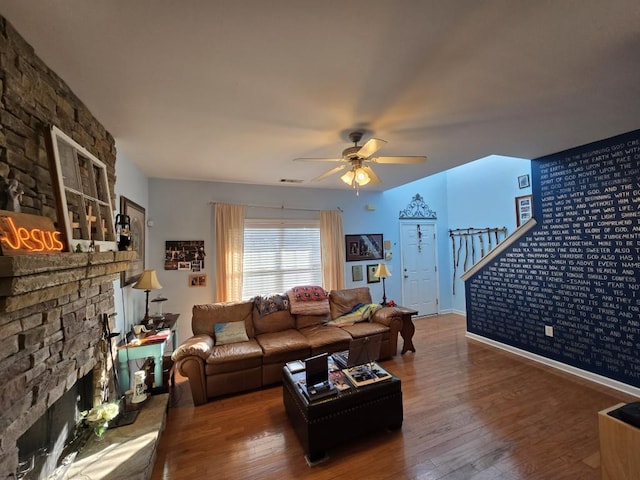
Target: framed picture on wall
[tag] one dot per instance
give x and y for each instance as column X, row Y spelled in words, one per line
column 356, row 273
column 523, row 181
column 197, row 280
column 524, row 209
column 371, row 271
column 364, row 247
column 184, row 255
column 136, row 215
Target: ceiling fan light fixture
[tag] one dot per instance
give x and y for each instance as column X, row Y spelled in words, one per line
column 361, row 177
column 348, row 177
column 356, row 161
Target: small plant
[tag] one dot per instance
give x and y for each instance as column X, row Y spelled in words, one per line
column 99, row 417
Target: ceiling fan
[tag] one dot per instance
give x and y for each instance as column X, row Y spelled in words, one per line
column 357, row 158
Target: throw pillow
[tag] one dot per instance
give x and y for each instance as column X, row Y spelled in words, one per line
column 230, row 332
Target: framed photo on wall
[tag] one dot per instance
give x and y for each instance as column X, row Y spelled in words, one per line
column 524, row 209
column 523, row 181
column 371, row 277
column 136, row 215
column 184, row 255
column 364, row 247
column 197, row 280
column 356, row 273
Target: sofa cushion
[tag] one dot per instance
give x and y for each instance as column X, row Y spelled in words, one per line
column 342, row 301
column 320, row 307
column 233, row 357
column 280, row 347
column 365, row 329
column 303, row 321
column 274, row 322
column 230, row 332
column 325, row 338
column 204, row 317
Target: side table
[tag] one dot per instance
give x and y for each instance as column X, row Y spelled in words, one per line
column 150, row 346
column 408, row 329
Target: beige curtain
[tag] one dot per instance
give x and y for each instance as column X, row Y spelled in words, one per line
column 332, row 248
column 229, row 250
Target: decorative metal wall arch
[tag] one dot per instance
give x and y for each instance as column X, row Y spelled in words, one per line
column 417, row 209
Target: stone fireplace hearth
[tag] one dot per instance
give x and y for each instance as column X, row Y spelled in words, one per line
column 51, row 313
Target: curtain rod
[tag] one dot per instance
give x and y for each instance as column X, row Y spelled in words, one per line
column 281, row 207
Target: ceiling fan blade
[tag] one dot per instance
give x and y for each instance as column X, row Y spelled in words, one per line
column 371, row 147
column 329, row 173
column 375, row 180
column 319, row 160
column 409, row 160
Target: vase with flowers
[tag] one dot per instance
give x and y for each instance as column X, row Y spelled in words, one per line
column 98, row 417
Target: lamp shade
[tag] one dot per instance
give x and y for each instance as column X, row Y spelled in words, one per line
column 362, row 178
column 148, row 281
column 356, row 175
column 382, row 271
column 348, row 177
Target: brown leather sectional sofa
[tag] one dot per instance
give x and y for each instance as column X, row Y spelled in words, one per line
column 272, row 340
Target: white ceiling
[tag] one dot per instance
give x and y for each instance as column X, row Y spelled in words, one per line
column 234, row 90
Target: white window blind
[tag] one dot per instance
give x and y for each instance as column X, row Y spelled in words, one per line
column 280, row 254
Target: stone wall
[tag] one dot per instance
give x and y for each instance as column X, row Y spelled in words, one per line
column 32, row 99
column 51, row 311
column 51, row 307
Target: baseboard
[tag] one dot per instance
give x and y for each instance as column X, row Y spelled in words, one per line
column 447, row 311
column 607, row 382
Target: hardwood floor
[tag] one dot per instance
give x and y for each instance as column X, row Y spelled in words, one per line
column 470, row 412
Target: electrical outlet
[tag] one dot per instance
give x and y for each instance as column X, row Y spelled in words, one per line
column 548, row 330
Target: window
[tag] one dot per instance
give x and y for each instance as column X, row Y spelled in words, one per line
column 83, row 193
column 280, row 254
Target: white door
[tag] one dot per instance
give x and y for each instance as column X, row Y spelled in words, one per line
column 419, row 280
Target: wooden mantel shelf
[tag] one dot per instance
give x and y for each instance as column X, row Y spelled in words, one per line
column 27, row 280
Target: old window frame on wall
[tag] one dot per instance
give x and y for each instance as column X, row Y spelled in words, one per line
column 82, row 192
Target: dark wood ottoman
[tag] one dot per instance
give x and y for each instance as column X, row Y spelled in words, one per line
column 323, row 424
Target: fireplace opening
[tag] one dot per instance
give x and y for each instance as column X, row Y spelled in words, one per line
column 57, row 433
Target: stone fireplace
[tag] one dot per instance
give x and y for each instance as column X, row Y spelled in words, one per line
column 51, row 306
column 51, row 313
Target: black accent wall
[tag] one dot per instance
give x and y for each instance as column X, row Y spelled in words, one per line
column 577, row 270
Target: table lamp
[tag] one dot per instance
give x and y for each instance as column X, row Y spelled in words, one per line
column 148, row 281
column 382, row 272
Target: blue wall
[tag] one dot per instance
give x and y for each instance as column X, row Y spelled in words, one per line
column 133, row 184
column 577, row 270
column 182, row 210
column 478, row 194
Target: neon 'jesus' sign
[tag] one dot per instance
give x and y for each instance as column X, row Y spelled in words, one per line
column 14, row 237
